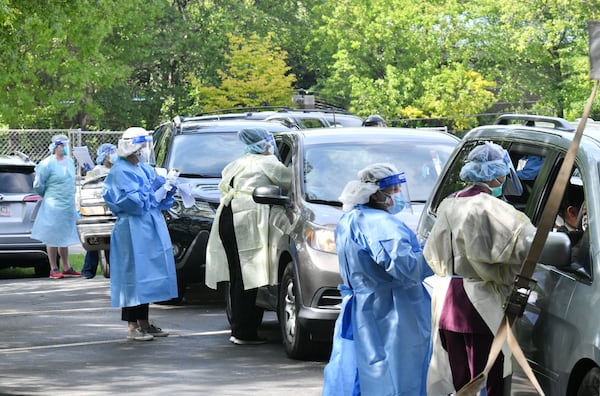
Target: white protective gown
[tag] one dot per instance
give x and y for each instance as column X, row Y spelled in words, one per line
column 56, row 221
column 251, row 220
column 486, row 240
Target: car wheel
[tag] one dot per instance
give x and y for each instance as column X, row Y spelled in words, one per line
column 296, row 338
column 590, row 385
column 42, row 269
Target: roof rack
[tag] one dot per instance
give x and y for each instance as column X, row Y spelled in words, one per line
column 531, row 120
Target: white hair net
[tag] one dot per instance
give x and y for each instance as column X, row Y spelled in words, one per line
column 58, row 140
column 255, row 139
column 485, row 162
column 126, row 145
column 358, row 192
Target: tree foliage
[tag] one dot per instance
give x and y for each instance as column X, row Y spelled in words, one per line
column 256, row 74
column 109, row 64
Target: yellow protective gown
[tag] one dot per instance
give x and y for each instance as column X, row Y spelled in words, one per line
column 484, row 240
column 251, row 220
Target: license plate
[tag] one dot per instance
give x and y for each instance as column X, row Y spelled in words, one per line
column 4, row 211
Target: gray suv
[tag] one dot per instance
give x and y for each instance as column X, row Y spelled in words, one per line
column 18, row 206
column 559, row 330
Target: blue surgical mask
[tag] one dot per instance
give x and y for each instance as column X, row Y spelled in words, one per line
column 113, row 158
column 65, row 150
column 497, row 191
column 395, row 203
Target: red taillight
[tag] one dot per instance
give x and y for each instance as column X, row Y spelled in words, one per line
column 32, row 198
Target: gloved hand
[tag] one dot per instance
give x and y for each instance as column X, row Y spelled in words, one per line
column 158, row 182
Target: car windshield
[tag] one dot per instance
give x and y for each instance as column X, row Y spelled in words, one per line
column 327, row 168
column 16, row 180
column 204, row 154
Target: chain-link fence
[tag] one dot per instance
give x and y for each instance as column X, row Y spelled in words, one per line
column 34, row 142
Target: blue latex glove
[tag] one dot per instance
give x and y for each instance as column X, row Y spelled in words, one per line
column 158, row 182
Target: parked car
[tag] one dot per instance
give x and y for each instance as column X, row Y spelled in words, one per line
column 559, row 332
column 337, row 119
column 200, row 149
column 96, row 222
column 301, row 119
column 306, row 297
column 18, row 206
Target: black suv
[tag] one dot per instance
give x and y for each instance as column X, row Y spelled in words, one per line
column 200, row 149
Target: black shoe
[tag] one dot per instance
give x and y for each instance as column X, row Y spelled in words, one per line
column 247, row 341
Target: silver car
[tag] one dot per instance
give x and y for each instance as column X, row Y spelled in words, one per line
column 18, row 205
column 559, row 330
column 306, row 298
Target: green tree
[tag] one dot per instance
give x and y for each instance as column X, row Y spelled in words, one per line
column 56, row 58
column 256, row 75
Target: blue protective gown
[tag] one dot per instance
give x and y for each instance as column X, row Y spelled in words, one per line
column 386, row 310
column 142, row 267
column 56, row 221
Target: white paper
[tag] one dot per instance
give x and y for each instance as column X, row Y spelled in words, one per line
column 82, row 155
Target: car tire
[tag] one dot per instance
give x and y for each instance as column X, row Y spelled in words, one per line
column 42, row 269
column 590, row 385
column 296, row 338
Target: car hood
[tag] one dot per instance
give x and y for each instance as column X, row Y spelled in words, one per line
column 204, row 189
column 327, row 215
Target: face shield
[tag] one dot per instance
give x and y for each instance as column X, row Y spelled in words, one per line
column 145, row 149
column 401, row 199
column 512, row 185
column 59, row 141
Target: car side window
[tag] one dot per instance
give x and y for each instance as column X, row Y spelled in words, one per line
column 527, row 161
column 161, row 138
column 452, row 181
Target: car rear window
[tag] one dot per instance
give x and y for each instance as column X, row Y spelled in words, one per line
column 16, row 180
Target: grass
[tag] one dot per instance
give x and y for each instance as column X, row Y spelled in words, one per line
column 76, row 261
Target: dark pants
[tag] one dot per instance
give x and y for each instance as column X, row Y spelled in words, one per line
column 133, row 314
column 245, row 315
column 468, row 355
column 90, row 264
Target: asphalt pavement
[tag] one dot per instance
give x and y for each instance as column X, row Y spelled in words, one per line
column 62, row 337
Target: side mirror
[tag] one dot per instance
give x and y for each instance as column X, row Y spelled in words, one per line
column 270, row 195
column 557, row 250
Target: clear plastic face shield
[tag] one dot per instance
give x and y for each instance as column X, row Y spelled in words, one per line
column 398, row 198
column 145, row 153
column 271, row 141
column 512, row 184
column 61, row 141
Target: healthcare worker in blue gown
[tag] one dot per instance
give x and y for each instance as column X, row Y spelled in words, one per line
column 142, row 267
column 381, row 342
column 56, row 221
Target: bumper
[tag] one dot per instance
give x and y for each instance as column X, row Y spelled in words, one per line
column 189, row 237
column 94, row 232
column 320, row 322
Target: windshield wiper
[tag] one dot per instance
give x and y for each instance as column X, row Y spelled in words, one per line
column 325, row 202
column 199, row 176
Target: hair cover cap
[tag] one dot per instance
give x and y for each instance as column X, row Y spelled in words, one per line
column 255, row 139
column 104, row 150
column 58, row 140
column 485, row 162
column 126, row 145
column 358, row 192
